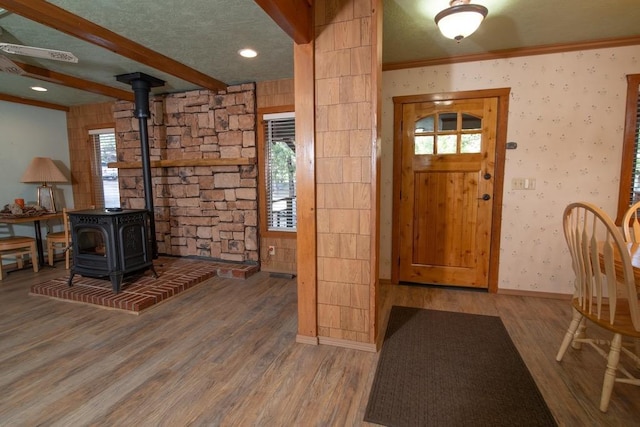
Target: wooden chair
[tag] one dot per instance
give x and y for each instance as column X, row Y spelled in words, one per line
column 631, row 232
column 631, row 224
column 16, row 247
column 605, row 292
column 61, row 241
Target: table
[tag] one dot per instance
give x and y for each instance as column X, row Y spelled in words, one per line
column 36, row 225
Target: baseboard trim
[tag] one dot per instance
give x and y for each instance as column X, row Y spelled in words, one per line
column 354, row 345
column 305, row 339
column 515, row 292
column 525, row 293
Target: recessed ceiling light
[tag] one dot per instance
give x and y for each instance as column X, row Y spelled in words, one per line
column 38, row 88
column 248, row 53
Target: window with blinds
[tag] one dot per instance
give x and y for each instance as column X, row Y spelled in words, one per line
column 280, row 171
column 634, row 130
column 105, row 184
column 630, row 169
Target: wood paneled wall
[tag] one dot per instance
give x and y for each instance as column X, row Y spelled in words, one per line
column 80, row 120
column 270, row 94
column 274, row 93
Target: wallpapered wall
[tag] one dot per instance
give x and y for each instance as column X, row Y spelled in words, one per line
column 566, row 112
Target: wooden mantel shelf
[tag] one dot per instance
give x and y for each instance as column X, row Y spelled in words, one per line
column 238, row 161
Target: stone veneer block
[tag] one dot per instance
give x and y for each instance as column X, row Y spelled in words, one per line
column 197, row 124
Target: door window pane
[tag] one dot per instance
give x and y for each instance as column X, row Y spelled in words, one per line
column 447, row 144
column 423, row 145
column 448, row 121
column 425, row 124
column 470, row 143
column 470, row 122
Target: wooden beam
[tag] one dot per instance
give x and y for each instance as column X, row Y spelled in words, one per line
column 55, row 17
column 35, row 103
column 74, row 82
column 293, row 16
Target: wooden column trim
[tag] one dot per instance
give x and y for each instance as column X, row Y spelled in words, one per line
column 304, row 84
column 376, row 164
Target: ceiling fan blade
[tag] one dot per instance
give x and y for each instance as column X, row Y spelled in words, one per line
column 37, row 52
column 8, row 66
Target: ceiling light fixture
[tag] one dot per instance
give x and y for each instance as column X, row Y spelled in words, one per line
column 39, row 88
column 248, row 53
column 461, row 19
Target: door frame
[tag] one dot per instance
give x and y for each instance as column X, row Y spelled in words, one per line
column 501, row 143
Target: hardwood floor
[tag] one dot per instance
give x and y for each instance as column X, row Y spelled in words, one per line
column 224, row 353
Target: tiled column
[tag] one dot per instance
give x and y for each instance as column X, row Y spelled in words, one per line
column 347, row 97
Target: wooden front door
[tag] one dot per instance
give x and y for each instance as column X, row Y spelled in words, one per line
column 446, row 202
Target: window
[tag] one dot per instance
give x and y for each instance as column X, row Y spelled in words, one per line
column 105, row 187
column 448, row 133
column 630, row 170
column 278, row 172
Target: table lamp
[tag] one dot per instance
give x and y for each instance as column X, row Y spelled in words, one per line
column 43, row 170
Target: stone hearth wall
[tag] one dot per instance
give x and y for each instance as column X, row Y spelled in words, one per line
column 208, row 211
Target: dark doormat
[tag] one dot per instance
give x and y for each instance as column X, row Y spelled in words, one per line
column 439, row 368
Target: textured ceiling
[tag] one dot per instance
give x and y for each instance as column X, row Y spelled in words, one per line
column 206, row 35
column 410, row 33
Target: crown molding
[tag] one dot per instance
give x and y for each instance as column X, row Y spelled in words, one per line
column 513, row 53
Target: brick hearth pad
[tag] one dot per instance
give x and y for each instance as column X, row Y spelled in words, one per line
column 141, row 291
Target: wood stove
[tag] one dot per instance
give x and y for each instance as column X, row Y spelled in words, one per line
column 110, row 243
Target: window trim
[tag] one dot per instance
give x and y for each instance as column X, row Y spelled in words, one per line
column 629, row 144
column 262, row 185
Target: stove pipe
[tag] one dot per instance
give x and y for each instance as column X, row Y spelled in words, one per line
column 141, row 84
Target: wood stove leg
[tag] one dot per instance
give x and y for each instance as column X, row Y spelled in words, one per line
column 153, row 272
column 116, row 281
column 71, row 278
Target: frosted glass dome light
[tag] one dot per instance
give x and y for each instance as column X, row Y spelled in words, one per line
column 461, row 19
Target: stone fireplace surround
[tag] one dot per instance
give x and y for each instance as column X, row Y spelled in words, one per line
column 204, row 171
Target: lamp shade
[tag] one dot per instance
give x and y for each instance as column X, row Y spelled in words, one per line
column 42, row 170
column 461, row 19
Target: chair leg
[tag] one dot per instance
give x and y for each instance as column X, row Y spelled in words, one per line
column 3, row 273
column 50, row 253
column 34, row 257
column 610, row 373
column 67, row 258
column 568, row 336
column 580, row 333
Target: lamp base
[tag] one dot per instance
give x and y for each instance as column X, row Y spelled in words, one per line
column 45, row 198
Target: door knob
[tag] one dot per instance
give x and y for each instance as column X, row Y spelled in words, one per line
column 487, row 175
column 485, row 197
